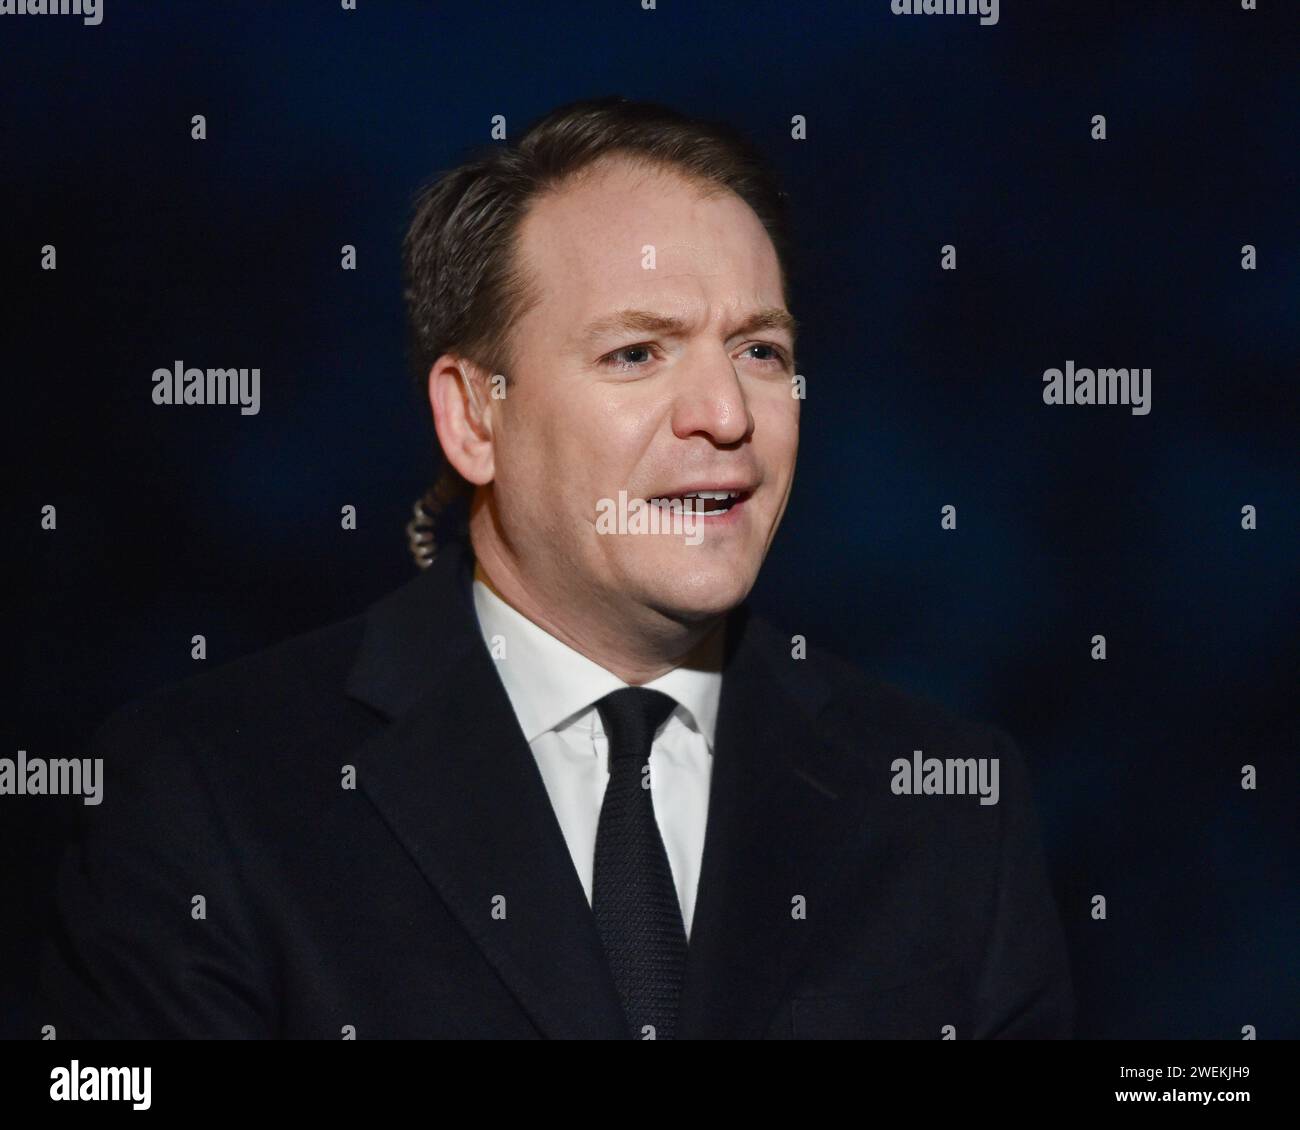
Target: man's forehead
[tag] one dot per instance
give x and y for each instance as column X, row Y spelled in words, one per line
column 605, row 261
column 606, row 221
column 653, row 244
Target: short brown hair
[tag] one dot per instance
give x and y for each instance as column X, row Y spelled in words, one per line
column 464, row 289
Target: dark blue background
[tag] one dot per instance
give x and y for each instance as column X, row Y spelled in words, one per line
column 924, row 389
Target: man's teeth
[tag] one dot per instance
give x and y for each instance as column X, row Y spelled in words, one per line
column 705, row 496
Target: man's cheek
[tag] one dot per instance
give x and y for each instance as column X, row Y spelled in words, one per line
column 776, row 437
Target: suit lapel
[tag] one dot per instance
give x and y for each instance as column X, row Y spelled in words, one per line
column 455, row 781
column 782, row 808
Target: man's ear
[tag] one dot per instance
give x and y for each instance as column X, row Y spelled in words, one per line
column 461, row 417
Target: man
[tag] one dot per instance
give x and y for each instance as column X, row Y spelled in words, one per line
column 564, row 784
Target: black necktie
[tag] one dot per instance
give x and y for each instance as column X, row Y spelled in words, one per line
column 633, row 897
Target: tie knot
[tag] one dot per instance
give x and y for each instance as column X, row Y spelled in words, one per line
column 631, row 717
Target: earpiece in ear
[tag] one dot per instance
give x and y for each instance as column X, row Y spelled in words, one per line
column 471, row 392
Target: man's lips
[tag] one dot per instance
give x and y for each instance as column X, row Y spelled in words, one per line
column 707, row 500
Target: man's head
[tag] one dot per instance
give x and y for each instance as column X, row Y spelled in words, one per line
column 622, row 269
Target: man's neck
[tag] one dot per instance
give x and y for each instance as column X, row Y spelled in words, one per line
column 636, row 658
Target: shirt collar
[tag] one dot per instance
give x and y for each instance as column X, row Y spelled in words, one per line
column 549, row 682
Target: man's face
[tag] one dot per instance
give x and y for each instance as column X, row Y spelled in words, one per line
column 693, row 395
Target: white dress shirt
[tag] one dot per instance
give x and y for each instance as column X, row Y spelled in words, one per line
column 554, row 689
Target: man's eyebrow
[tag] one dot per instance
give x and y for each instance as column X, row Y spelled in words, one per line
column 647, row 321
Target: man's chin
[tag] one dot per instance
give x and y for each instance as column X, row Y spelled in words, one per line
column 695, row 596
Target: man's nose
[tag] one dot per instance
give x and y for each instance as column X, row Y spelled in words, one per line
column 711, row 402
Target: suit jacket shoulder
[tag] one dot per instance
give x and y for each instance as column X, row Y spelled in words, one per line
column 316, row 839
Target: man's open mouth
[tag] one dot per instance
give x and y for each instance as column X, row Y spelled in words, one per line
column 706, row 503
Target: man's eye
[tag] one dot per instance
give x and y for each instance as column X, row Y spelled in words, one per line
column 611, row 360
column 637, row 356
column 777, row 357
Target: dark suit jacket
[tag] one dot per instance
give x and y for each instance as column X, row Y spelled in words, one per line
column 827, row 905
